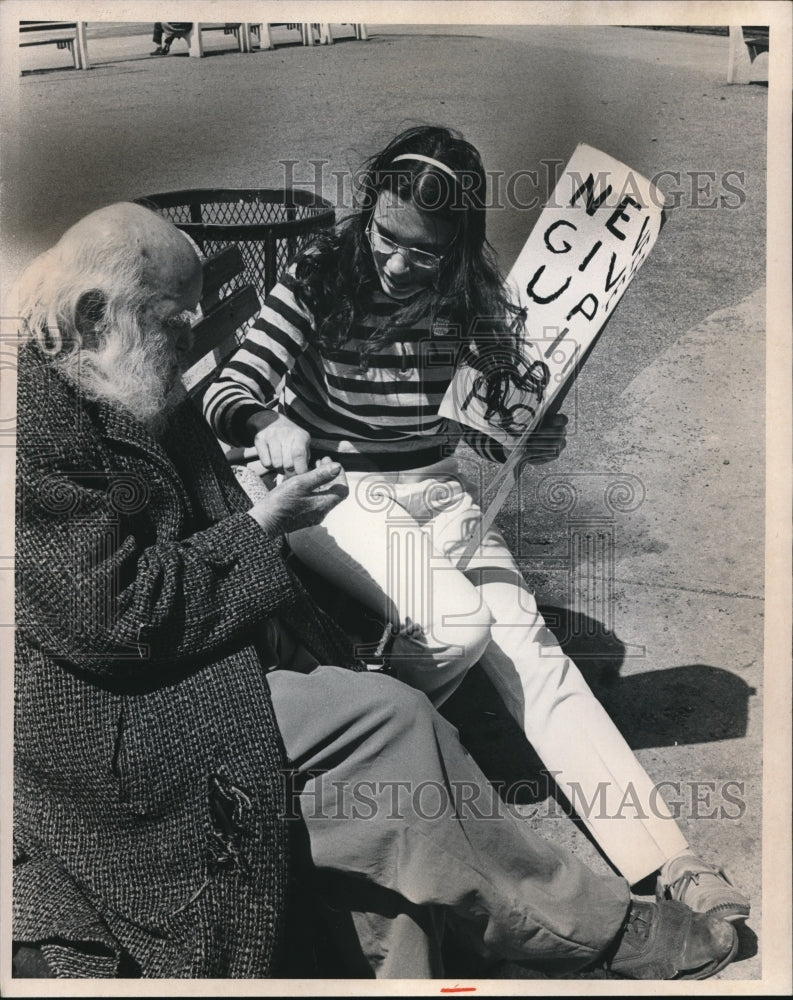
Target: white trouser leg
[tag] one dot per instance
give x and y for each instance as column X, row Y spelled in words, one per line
column 374, row 549
column 575, row 737
column 399, row 558
column 567, row 726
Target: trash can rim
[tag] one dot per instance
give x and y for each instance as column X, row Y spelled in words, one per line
column 248, row 231
column 279, row 196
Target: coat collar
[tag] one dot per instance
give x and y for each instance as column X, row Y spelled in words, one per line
column 61, row 412
column 188, row 453
column 117, row 427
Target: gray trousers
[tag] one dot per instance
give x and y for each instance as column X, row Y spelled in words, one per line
column 393, row 801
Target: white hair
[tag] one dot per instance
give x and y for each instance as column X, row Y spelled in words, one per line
column 82, row 303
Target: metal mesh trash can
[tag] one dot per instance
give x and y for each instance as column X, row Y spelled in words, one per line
column 269, row 226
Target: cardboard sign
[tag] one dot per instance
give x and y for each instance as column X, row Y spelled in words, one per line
column 592, row 237
column 600, row 224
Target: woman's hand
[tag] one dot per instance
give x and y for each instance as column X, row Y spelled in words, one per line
column 548, row 441
column 301, row 500
column 282, row 445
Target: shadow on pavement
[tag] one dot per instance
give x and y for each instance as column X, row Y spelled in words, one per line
column 695, row 703
column 691, row 704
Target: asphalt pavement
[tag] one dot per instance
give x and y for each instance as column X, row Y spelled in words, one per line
column 671, row 403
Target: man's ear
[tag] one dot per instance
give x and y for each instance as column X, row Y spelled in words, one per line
column 89, row 315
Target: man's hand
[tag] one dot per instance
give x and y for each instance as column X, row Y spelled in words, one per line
column 282, row 445
column 548, row 440
column 301, row 500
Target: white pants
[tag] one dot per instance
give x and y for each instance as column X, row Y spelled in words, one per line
column 393, row 544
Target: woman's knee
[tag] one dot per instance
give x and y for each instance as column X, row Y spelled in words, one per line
column 450, row 646
column 464, row 645
column 461, row 621
column 470, row 632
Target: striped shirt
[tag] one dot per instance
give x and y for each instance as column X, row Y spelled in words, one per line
column 382, row 415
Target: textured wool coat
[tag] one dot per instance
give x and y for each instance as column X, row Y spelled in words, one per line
column 149, row 794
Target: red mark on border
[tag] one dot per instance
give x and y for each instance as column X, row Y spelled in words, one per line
column 458, row 989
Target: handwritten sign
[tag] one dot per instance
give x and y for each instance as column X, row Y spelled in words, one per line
column 600, row 224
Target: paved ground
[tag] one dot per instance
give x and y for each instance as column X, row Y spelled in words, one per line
column 673, row 395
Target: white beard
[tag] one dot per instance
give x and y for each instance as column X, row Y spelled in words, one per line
column 142, row 378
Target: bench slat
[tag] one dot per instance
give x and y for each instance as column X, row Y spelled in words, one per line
column 65, row 42
column 227, row 317
column 47, row 25
column 198, row 377
column 220, row 268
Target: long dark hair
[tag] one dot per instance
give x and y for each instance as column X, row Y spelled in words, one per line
column 336, row 275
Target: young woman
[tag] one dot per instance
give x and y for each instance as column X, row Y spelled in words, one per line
column 350, row 359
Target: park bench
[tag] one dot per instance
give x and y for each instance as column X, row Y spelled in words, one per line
column 65, row 34
column 225, row 313
column 748, row 62
column 756, row 39
column 247, row 32
column 309, row 33
column 243, row 31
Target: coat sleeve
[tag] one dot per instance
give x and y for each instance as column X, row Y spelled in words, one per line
column 97, row 589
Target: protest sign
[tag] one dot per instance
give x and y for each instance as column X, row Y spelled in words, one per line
column 597, row 229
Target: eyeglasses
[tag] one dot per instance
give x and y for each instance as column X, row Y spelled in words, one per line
column 417, row 258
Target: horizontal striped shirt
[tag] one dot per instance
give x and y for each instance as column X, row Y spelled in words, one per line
column 381, row 414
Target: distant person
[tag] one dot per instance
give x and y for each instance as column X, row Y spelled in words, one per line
column 171, row 30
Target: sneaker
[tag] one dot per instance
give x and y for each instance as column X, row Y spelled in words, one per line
column 667, row 940
column 158, row 51
column 703, row 887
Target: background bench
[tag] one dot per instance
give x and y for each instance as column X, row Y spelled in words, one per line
column 244, row 32
column 65, row 34
column 748, row 58
column 248, row 35
column 249, row 32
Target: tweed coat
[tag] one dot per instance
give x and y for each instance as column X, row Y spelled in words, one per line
column 149, row 794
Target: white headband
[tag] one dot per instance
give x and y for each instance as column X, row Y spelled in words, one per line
column 426, row 159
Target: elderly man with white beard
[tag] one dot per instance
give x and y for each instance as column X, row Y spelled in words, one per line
column 166, row 712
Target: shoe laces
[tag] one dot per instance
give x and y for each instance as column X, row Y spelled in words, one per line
column 682, row 882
